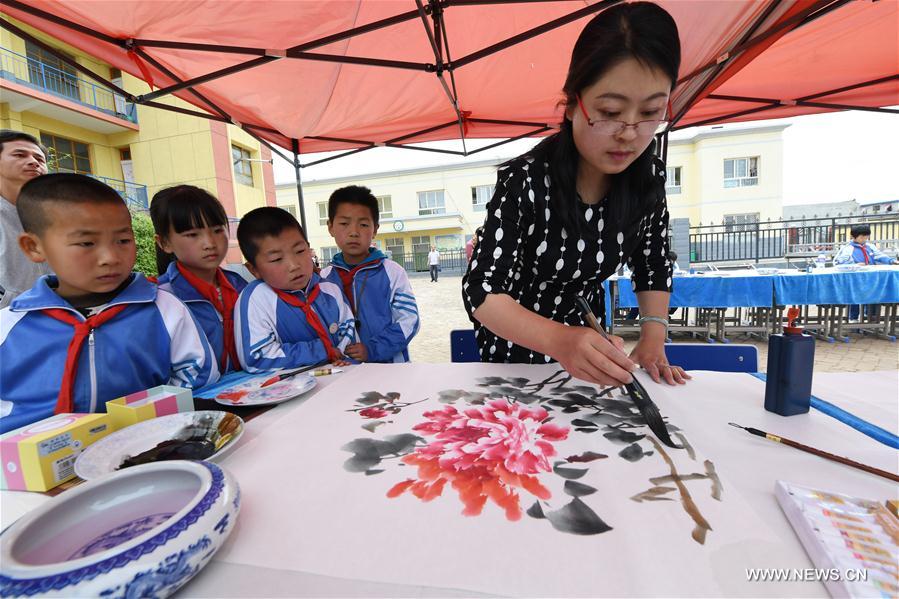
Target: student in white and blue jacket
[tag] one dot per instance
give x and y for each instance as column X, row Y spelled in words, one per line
column 95, row 331
column 376, row 288
column 859, row 250
column 290, row 317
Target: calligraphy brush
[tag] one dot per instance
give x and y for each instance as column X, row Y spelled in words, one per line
column 286, row 375
column 818, row 452
column 635, row 390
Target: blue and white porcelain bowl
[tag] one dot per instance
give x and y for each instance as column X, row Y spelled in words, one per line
column 139, row 532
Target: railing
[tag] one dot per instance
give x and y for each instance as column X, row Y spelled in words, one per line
column 454, row 261
column 134, row 194
column 40, row 75
column 785, row 239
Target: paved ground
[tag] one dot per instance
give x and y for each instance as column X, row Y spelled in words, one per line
column 440, row 306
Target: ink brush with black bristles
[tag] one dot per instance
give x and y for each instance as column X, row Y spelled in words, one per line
column 635, row 390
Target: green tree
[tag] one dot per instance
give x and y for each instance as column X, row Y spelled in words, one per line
column 146, row 245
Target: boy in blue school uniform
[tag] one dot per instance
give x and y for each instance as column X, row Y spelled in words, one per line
column 289, row 317
column 860, row 251
column 376, row 288
column 95, row 330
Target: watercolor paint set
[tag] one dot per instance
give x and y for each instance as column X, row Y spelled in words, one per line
column 853, row 542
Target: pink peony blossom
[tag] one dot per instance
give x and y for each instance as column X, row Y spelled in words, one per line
column 499, row 432
column 484, row 453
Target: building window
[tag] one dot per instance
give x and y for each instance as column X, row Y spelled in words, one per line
column 431, row 202
column 672, row 179
column 66, row 155
column 243, row 168
column 290, row 208
column 385, row 207
column 323, row 213
column 327, row 254
column 741, row 222
column 49, row 72
column 741, row 172
column 480, row 195
column 394, row 246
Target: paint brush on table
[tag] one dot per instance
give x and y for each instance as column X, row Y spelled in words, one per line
column 817, row 452
column 286, row 375
column 635, row 390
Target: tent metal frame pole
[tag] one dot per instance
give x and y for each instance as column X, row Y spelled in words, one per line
column 774, row 103
column 722, row 65
column 295, row 147
column 530, row 33
column 434, row 37
column 811, row 13
column 847, row 88
column 532, row 133
column 797, row 19
column 64, row 22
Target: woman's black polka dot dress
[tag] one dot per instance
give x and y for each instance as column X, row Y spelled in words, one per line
column 526, row 253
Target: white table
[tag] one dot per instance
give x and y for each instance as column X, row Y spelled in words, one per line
column 749, row 465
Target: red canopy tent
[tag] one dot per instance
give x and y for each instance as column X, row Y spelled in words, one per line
column 355, row 74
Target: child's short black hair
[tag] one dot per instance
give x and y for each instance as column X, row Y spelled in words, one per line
column 857, row 230
column 672, row 255
column 353, row 194
column 67, row 188
column 267, row 221
column 182, row 208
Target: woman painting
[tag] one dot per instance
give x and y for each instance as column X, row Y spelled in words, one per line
column 584, row 201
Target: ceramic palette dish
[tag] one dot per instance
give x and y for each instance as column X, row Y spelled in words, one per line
column 139, row 532
column 107, row 454
column 251, row 394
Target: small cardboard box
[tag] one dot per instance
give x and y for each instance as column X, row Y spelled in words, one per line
column 147, row 404
column 41, row 455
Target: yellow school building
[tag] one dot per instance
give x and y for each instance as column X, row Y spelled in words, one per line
column 137, row 150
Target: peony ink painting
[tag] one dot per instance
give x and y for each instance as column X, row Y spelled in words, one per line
column 501, row 443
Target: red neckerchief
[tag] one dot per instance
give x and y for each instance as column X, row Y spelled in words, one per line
column 312, row 318
column 347, row 276
column 864, row 253
column 226, row 311
column 65, row 402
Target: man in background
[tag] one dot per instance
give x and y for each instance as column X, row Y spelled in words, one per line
column 22, row 158
column 434, row 263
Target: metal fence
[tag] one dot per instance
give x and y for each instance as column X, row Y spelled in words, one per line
column 451, row 261
column 785, row 239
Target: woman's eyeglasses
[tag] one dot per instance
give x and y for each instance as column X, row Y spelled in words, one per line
column 616, row 127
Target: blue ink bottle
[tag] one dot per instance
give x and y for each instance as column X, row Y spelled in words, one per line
column 791, row 359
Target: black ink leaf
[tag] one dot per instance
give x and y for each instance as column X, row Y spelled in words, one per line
column 571, row 410
column 370, row 472
column 576, row 489
column 361, row 463
column 569, row 473
column 619, row 436
column 401, row 444
column 577, row 518
column 491, row 381
column 632, row 453
column 535, row 511
column 586, row 430
column 583, row 423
